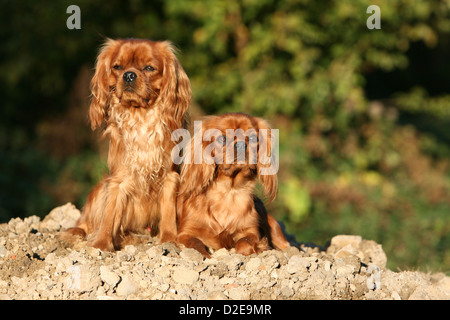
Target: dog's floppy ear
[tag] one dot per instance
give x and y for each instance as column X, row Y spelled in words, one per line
column 176, row 88
column 267, row 166
column 100, row 87
column 196, row 173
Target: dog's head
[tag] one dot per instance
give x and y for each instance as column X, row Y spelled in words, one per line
column 139, row 73
column 235, row 145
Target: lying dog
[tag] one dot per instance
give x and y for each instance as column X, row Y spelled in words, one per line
column 216, row 204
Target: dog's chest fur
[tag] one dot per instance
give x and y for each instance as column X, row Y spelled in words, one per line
column 142, row 136
column 229, row 206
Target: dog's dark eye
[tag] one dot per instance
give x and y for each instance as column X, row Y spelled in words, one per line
column 149, row 68
column 117, row 67
column 253, row 138
column 221, row 139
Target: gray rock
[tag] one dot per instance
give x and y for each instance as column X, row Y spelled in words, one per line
column 3, row 251
column 183, row 275
column 108, row 276
column 298, row 264
column 238, row 293
column 127, row 286
column 253, row 265
column 345, row 240
column 192, row 255
column 62, row 217
column 216, row 295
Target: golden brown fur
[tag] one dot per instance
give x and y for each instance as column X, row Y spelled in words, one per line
column 142, row 93
column 216, row 205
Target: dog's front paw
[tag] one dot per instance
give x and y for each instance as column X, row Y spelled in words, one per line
column 245, row 247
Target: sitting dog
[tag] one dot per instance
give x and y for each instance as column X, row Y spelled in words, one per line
column 142, row 93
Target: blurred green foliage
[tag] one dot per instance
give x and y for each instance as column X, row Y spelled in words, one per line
column 363, row 114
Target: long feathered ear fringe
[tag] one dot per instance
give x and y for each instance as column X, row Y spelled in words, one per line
column 196, row 174
column 267, row 162
column 176, row 89
column 99, row 84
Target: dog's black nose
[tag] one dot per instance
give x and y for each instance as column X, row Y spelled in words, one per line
column 129, row 76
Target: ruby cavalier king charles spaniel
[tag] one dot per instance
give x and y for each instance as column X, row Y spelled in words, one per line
column 142, row 93
column 216, row 204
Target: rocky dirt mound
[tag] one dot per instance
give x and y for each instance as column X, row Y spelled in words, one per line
column 35, row 264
